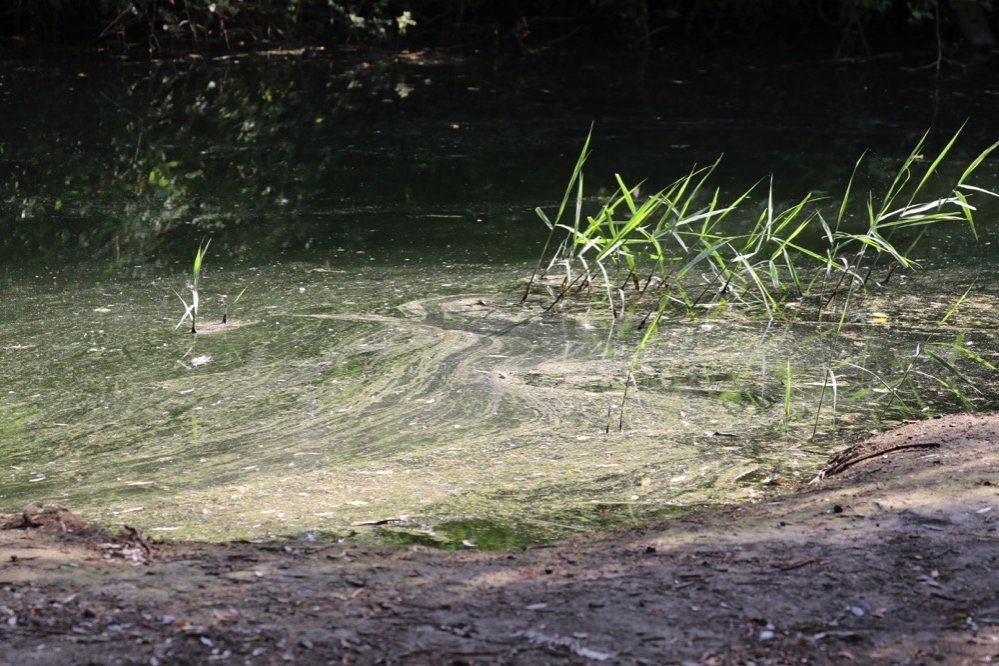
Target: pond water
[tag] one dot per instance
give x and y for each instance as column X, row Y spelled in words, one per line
column 372, row 229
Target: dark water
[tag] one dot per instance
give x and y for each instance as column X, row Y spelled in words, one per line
column 378, row 212
column 136, row 160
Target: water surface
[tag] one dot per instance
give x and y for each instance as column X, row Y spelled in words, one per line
column 379, row 376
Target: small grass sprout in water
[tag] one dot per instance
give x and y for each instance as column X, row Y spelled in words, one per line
column 191, row 309
column 227, row 304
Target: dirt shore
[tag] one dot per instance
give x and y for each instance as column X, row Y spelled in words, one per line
column 892, row 557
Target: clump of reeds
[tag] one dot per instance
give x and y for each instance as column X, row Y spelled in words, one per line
column 676, row 244
column 688, row 249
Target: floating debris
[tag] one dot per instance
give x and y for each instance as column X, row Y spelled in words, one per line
column 204, row 359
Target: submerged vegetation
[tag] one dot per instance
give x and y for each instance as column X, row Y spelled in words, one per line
column 683, row 249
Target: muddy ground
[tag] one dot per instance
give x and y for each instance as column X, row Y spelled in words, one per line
column 893, row 557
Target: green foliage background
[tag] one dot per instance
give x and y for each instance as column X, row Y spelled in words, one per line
column 162, row 23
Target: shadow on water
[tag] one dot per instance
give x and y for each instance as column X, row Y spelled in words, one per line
column 134, row 162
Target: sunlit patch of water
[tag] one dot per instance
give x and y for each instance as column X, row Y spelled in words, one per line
column 396, row 404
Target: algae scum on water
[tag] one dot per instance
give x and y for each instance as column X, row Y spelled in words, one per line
column 444, row 404
column 402, row 405
column 313, row 419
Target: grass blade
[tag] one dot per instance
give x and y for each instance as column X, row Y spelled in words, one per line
column 930, row 169
column 956, row 305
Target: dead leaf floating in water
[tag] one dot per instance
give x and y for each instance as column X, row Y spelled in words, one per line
column 196, row 362
column 204, row 359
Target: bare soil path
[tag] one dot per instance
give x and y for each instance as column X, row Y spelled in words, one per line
column 893, row 557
